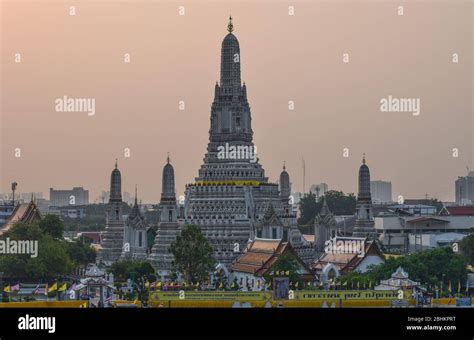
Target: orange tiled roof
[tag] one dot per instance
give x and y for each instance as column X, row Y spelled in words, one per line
column 262, row 254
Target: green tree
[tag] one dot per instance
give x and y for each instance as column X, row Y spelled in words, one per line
column 81, row 252
column 338, row 202
column 131, row 269
column 193, row 255
column 52, row 259
column 430, row 267
column 308, row 209
column 52, row 225
column 467, row 248
column 287, row 263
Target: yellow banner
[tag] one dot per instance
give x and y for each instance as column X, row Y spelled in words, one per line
column 243, row 183
column 213, row 296
column 351, row 295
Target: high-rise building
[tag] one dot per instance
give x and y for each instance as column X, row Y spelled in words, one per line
column 76, row 196
column 364, row 226
column 464, row 187
column 231, row 194
column 319, row 190
column 381, row 191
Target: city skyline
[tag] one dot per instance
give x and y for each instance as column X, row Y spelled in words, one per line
column 417, row 150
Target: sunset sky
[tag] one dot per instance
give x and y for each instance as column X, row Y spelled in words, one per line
column 284, row 58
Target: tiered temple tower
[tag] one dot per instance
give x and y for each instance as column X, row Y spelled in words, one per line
column 231, row 193
column 113, row 236
column 135, row 234
column 285, row 189
column 168, row 227
column 364, row 226
column 324, row 227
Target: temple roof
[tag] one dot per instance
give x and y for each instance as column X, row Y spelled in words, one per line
column 347, row 261
column 262, row 254
column 23, row 212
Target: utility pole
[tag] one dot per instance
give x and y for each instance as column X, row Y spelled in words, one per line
column 304, row 177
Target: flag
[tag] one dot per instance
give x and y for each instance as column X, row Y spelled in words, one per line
column 221, row 285
column 370, row 284
column 449, row 285
column 72, row 288
column 158, row 284
column 232, row 285
column 345, row 284
column 459, row 286
column 147, row 284
column 15, row 287
column 197, row 284
column 358, row 284
column 46, row 289
column 6, row 289
column 287, row 273
column 53, row 288
column 63, row 287
column 296, row 284
column 258, row 283
column 321, row 283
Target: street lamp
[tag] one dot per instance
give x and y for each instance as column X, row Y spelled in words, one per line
column 14, row 185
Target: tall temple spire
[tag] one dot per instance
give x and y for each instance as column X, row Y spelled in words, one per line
column 364, row 226
column 285, row 186
column 168, row 190
column 230, row 60
column 230, row 26
column 364, row 181
column 135, row 210
column 115, row 185
column 116, row 163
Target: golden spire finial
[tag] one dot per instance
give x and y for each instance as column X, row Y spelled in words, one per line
column 284, row 165
column 168, row 158
column 116, row 163
column 230, row 26
column 363, row 158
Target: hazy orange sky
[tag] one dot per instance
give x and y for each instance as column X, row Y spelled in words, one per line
column 283, row 58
